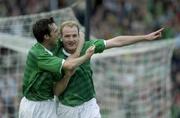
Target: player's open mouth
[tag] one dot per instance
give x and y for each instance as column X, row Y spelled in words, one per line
column 71, row 44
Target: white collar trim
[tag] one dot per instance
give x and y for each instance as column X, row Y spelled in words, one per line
column 47, row 50
column 65, row 52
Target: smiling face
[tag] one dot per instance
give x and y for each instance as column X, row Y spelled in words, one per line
column 70, row 38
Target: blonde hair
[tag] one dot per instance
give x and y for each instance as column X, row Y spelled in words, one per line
column 69, row 24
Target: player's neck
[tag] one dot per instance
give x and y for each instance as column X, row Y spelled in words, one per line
column 69, row 51
column 46, row 45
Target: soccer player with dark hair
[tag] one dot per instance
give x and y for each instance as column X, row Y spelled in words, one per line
column 43, row 69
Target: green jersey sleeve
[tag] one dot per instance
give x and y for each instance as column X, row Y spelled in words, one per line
column 99, row 44
column 50, row 63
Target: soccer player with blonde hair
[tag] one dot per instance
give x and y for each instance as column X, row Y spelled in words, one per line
column 79, row 98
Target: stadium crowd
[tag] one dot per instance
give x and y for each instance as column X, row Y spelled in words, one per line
column 108, row 19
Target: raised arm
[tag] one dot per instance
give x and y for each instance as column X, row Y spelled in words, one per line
column 61, row 85
column 126, row 40
column 72, row 63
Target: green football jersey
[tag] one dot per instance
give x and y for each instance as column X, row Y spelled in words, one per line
column 41, row 71
column 80, row 87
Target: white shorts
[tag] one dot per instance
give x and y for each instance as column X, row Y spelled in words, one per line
column 88, row 109
column 37, row 109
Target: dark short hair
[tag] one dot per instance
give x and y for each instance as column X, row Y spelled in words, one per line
column 41, row 28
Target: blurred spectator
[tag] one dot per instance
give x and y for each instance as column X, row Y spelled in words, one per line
column 19, row 7
column 115, row 16
column 2, row 107
column 135, row 18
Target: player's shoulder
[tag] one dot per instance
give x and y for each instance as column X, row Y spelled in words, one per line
column 90, row 42
column 36, row 50
column 87, row 44
column 93, row 41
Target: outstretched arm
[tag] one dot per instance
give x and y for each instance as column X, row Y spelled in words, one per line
column 126, row 40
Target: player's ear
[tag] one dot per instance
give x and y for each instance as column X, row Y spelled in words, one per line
column 46, row 37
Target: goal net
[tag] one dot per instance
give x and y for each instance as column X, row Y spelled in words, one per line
column 22, row 25
column 130, row 82
column 134, row 81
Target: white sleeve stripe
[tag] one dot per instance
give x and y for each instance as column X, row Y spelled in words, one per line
column 61, row 66
column 105, row 43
